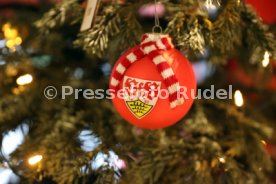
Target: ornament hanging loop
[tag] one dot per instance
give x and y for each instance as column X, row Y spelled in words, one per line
column 157, row 29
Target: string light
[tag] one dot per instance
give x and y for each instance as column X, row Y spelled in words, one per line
column 10, row 33
column 263, row 142
column 35, row 159
column 10, row 44
column 24, row 79
column 222, row 160
column 11, row 70
column 265, row 61
column 18, row 40
column 5, row 27
column 238, row 98
column 12, row 37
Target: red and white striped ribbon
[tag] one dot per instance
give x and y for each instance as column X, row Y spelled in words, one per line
column 150, row 46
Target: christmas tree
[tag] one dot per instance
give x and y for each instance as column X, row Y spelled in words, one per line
column 72, row 139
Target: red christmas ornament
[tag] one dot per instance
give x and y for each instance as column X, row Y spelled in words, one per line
column 153, row 83
column 265, row 9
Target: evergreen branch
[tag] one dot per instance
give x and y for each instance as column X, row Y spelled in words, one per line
column 263, row 130
column 186, row 26
column 195, row 38
column 176, row 27
column 257, row 34
column 131, row 30
column 14, row 109
column 116, row 21
column 227, row 29
column 59, row 15
column 96, row 40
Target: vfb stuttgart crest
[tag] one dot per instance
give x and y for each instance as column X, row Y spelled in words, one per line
column 140, row 95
